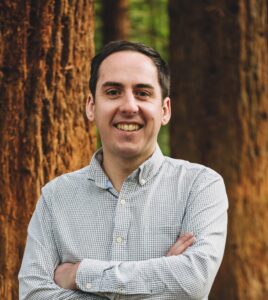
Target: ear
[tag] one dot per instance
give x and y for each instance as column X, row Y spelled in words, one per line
column 166, row 111
column 90, row 108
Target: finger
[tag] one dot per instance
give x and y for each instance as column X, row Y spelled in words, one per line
column 176, row 250
column 181, row 244
column 183, row 239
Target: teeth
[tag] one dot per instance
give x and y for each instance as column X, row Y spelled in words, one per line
column 127, row 127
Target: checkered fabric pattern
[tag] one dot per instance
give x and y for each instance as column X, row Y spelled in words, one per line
column 122, row 238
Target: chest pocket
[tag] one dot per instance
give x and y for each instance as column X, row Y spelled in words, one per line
column 158, row 239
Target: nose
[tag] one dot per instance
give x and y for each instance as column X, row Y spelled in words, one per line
column 129, row 104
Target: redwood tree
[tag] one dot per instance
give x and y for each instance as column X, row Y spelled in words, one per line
column 45, row 52
column 115, row 20
column 219, row 62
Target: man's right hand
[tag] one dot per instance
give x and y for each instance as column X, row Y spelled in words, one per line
column 181, row 244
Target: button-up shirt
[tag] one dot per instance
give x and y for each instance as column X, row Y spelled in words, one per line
column 122, row 238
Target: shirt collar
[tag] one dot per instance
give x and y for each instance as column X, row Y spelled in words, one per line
column 144, row 173
column 95, row 171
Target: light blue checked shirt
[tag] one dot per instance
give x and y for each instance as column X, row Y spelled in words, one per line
column 122, row 238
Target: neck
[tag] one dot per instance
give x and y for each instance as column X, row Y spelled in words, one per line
column 118, row 168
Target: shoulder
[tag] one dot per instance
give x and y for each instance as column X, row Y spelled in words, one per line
column 66, row 183
column 199, row 182
column 189, row 169
column 190, row 176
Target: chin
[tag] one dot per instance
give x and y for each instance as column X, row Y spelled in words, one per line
column 132, row 152
column 128, row 151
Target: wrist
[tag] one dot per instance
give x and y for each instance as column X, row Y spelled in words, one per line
column 74, row 271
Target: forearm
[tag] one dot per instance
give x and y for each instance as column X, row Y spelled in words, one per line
column 36, row 277
column 187, row 276
column 35, row 287
column 48, row 290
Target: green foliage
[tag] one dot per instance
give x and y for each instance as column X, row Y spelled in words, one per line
column 163, row 140
column 149, row 25
column 98, row 25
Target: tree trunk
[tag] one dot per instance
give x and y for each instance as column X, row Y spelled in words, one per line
column 219, row 64
column 45, row 51
column 115, row 20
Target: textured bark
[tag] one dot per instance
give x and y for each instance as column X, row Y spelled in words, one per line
column 115, row 20
column 219, row 61
column 45, row 51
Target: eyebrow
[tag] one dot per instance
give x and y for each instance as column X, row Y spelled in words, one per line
column 144, row 85
column 118, row 84
column 112, row 83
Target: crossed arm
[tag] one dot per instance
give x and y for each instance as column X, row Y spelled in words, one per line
column 43, row 277
column 65, row 274
column 187, row 271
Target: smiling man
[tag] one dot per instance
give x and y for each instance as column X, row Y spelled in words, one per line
column 133, row 224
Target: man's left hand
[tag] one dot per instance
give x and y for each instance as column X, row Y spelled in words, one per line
column 65, row 275
column 182, row 244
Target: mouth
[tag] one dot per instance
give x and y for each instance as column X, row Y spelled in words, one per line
column 128, row 127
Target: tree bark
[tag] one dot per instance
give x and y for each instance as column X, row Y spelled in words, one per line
column 45, row 52
column 115, row 20
column 219, row 64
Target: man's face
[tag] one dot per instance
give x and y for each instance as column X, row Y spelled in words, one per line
column 128, row 107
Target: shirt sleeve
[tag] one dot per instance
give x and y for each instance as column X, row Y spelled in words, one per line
column 36, row 276
column 186, row 276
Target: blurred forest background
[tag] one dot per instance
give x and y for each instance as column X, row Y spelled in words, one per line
column 218, row 53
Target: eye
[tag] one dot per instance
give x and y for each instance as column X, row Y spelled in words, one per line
column 113, row 93
column 142, row 94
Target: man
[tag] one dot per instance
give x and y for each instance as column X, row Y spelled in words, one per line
column 133, row 224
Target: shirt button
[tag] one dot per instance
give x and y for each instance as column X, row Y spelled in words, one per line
column 143, row 181
column 119, row 239
column 123, row 202
column 120, row 290
column 88, row 285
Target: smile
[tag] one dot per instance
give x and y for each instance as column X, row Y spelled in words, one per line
column 128, row 127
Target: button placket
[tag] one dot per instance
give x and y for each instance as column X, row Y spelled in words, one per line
column 123, row 201
column 88, row 285
column 122, row 222
column 119, row 240
column 142, row 181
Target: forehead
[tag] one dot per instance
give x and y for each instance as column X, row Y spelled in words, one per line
column 128, row 66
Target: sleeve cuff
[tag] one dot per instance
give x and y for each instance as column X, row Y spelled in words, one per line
column 90, row 273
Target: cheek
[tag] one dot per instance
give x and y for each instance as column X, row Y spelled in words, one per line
column 151, row 110
column 101, row 121
column 103, row 114
column 154, row 115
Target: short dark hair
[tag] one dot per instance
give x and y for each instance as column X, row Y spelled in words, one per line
column 117, row 46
